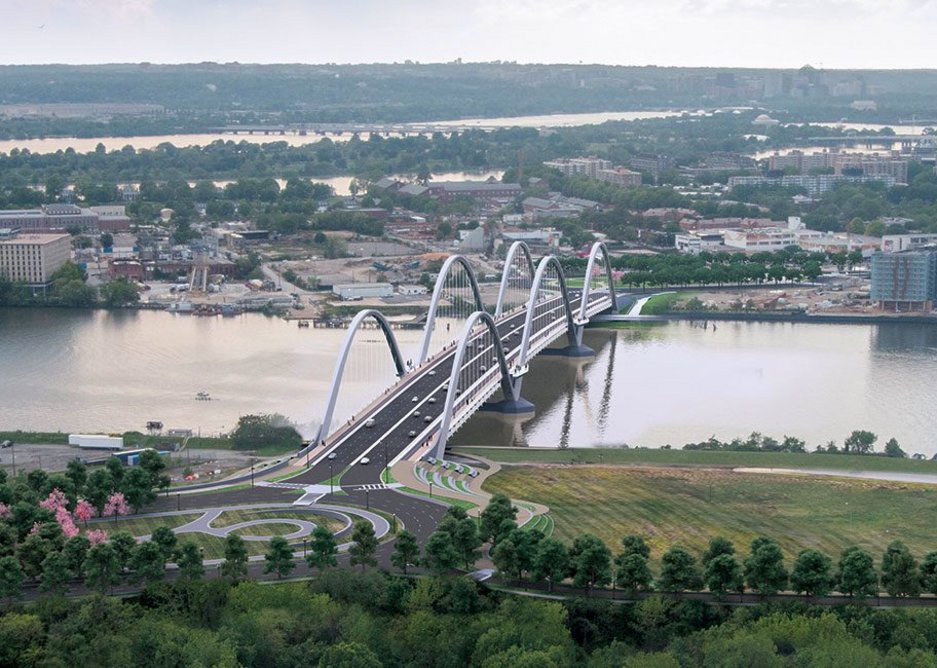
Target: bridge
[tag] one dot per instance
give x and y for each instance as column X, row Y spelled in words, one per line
column 443, row 388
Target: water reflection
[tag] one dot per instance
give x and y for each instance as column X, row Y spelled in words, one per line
column 680, row 383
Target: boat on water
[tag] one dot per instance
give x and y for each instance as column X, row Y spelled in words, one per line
column 303, row 323
column 203, row 396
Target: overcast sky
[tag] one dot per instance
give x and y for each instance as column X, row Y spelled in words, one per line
column 753, row 33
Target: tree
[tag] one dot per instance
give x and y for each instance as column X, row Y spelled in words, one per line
column 634, row 544
column 349, row 655
column 84, row 511
column 189, row 560
column 764, row 567
column 812, row 573
column 439, row 555
column 498, row 510
column 860, row 442
column 856, row 575
column 406, row 551
column 148, row 562
column 929, row 572
column 124, row 545
column 257, row 431
column 166, row 539
column 323, row 550
column 590, row 561
column 505, row 558
column 551, row 563
column 363, row 545
column 120, row 293
column 116, row 506
column 154, row 465
column 718, row 546
column 55, row 573
column 102, row 568
column 235, row 557
column 892, row 449
column 465, row 540
column 900, row 574
column 11, row 578
column 679, row 571
column 136, row 489
column 31, row 553
column 632, row 572
column 75, row 551
column 279, row 557
column 722, row 574
column 76, row 472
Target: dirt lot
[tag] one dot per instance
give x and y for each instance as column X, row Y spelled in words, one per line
column 55, row 457
column 848, row 297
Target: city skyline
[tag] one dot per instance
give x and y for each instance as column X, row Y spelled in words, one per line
column 716, row 33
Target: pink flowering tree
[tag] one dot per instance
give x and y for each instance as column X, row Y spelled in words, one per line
column 116, row 506
column 96, row 536
column 84, row 511
column 35, row 529
column 5, row 511
column 66, row 523
column 54, row 501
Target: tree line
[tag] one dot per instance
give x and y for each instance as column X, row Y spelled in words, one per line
column 859, row 442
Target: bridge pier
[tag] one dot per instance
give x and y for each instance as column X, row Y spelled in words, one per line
column 575, row 347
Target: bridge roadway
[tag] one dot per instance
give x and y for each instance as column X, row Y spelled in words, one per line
column 388, row 438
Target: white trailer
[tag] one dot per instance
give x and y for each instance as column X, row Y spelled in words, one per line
column 96, row 441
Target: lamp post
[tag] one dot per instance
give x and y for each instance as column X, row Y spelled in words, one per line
column 431, row 490
column 252, row 476
column 331, row 479
column 304, row 548
column 367, row 499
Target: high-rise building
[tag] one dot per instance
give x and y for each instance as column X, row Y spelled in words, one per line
column 905, row 281
column 33, row 258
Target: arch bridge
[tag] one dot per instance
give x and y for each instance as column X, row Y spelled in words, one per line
column 535, row 307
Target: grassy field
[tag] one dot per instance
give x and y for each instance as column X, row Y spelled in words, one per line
column 279, row 529
column 143, row 526
column 229, row 517
column 662, row 303
column 39, row 437
column 658, row 457
column 689, row 506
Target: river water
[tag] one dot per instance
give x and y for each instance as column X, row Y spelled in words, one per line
column 673, row 383
column 89, row 144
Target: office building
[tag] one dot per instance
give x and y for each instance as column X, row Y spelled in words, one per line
column 32, row 258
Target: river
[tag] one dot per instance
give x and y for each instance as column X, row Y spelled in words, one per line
column 673, row 383
column 89, row 144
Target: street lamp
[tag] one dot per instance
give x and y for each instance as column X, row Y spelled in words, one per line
column 331, row 479
column 304, row 548
column 431, row 490
column 252, row 476
column 367, row 499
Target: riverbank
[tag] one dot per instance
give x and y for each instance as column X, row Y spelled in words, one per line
column 699, row 459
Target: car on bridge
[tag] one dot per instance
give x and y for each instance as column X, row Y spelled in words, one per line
column 364, row 460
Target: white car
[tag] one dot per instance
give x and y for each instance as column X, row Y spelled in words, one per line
column 415, row 399
column 364, row 460
column 431, row 400
column 332, row 455
column 411, row 433
column 432, row 372
column 369, row 423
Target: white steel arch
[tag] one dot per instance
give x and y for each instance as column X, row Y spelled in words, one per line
column 343, row 354
column 545, row 263
column 597, row 248
column 447, row 266
column 453, row 393
column 516, row 247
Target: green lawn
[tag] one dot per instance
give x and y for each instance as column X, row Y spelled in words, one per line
column 689, row 506
column 229, row 517
column 278, row 529
column 54, row 437
column 662, row 303
column 659, row 457
column 143, row 526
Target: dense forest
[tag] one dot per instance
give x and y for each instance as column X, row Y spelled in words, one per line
column 367, row 620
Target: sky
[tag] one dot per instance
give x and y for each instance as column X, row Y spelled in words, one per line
column 886, row 34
